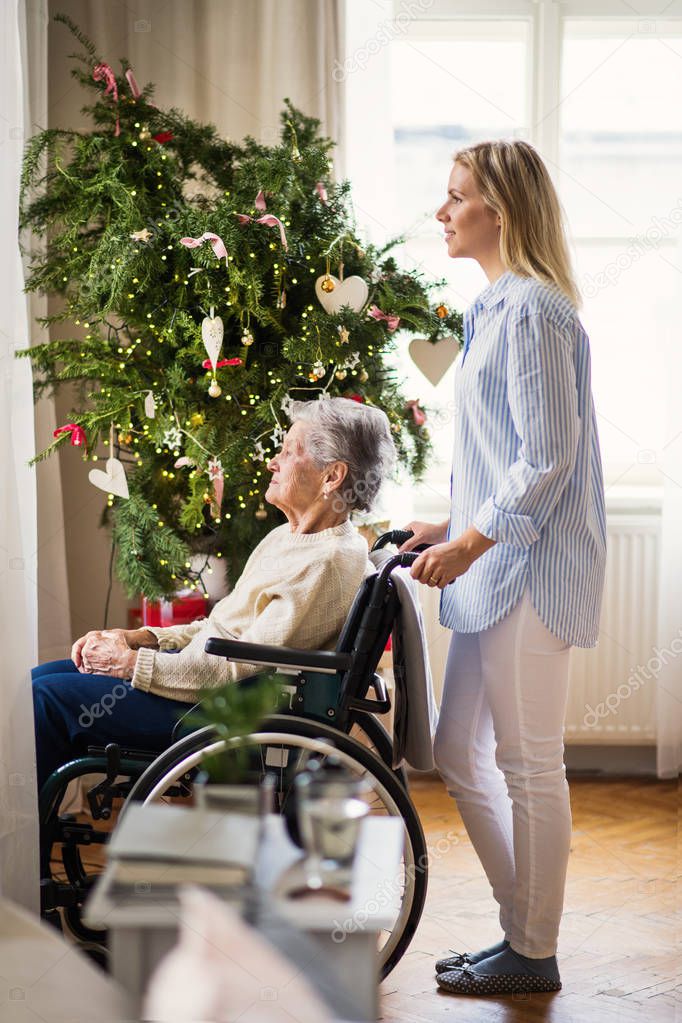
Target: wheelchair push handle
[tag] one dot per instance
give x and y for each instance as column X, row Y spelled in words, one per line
column 399, row 537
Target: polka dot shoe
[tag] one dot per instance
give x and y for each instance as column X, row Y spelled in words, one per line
column 465, row 981
column 453, row 962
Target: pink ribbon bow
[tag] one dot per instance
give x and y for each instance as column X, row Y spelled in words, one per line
column 223, row 362
column 103, row 73
column 392, row 322
column 217, row 244
column 417, row 412
column 322, row 192
column 78, row 438
column 270, row 221
column 259, row 201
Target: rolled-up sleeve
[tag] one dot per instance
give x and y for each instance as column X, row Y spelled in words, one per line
column 543, row 400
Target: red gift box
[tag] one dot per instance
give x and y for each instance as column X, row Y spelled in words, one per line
column 162, row 613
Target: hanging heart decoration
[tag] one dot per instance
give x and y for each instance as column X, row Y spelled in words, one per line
column 212, row 336
column 434, row 359
column 112, row 480
column 352, row 292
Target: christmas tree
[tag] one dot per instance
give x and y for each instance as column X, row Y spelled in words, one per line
column 211, row 284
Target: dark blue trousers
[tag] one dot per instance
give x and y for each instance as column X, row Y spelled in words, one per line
column 74, row 710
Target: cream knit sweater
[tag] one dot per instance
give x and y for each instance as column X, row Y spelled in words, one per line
column 296, row 590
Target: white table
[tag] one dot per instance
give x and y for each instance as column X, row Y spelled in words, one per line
column 143, row 930
column 45, row 977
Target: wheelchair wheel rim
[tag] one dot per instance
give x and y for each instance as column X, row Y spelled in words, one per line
column 192, row 761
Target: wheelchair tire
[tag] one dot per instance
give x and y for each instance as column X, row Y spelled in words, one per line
column 380, row 741
column 183, row 757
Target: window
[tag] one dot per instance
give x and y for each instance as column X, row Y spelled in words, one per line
column 620, row 178
column 600, row 97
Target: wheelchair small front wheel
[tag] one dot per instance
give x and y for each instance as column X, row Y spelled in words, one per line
column 278, row 748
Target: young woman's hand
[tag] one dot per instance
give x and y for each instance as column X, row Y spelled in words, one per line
column 444, row 562
column 425, row 532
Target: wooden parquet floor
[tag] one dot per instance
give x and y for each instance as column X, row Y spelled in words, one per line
column 619, row 948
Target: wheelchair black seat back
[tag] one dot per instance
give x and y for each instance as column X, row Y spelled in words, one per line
column 327, row 708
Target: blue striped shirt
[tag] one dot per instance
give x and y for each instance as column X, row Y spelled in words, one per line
column 526, row 469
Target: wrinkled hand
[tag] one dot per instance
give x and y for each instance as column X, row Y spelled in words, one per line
column 107, row 653
column 77, row 648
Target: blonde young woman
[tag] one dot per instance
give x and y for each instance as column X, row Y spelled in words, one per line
column 520, row 561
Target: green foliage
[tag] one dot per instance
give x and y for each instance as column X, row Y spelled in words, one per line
column 133, row 308
column 236, row 711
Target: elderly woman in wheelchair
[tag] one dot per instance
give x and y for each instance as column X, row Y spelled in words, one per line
column 295, row 590
column 310, row 602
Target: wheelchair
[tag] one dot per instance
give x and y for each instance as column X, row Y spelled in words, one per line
column 326, row 710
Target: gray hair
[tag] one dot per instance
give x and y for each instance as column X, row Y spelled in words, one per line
column 348, row 431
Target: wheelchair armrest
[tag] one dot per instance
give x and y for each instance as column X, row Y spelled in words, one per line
column 282, row 657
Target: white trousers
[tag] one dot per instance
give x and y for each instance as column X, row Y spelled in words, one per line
column 499, row 749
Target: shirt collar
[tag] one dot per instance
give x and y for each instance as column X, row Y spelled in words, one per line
column 496, row 291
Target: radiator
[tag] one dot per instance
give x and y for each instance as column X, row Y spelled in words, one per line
column 610, row 701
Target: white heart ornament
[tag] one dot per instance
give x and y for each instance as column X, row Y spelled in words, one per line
column 353, row 292
column 113, row 481
column 434, row 359
column 212, row 336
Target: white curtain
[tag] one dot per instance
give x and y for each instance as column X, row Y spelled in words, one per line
column 18, row 525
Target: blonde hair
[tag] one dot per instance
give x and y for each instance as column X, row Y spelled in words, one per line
column 515, row 183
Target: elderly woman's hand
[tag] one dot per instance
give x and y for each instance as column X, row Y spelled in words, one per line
column 77, row 648
column 107, row 653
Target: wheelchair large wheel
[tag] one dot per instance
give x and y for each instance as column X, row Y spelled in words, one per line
column 286, row 741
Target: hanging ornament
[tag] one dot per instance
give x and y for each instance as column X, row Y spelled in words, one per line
column 259, row 452
column 141, row 236
column 318, row 370
column 344, row 335
column 214, row 389
column 277, row 435
column 434, row 358
column 196, row 419
column 418, row 413
column 78, row 438
column 322, row 193
column 212, row 336
column 352, row 292
column 215, row 474
column 125, row 438
column 391, row 321
column 132, row 84
column 247, row 338
column 113, row 479
column 216, row 242
column 270, row 221
column 261, row 512
column 103, row 73
column 441, row 311
column 341, row 374
column 363, row 376
column 295, row 153
column 281, row 300
column 172, row 438
column 149, row 405
column 286, row 404
column 145, row 133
